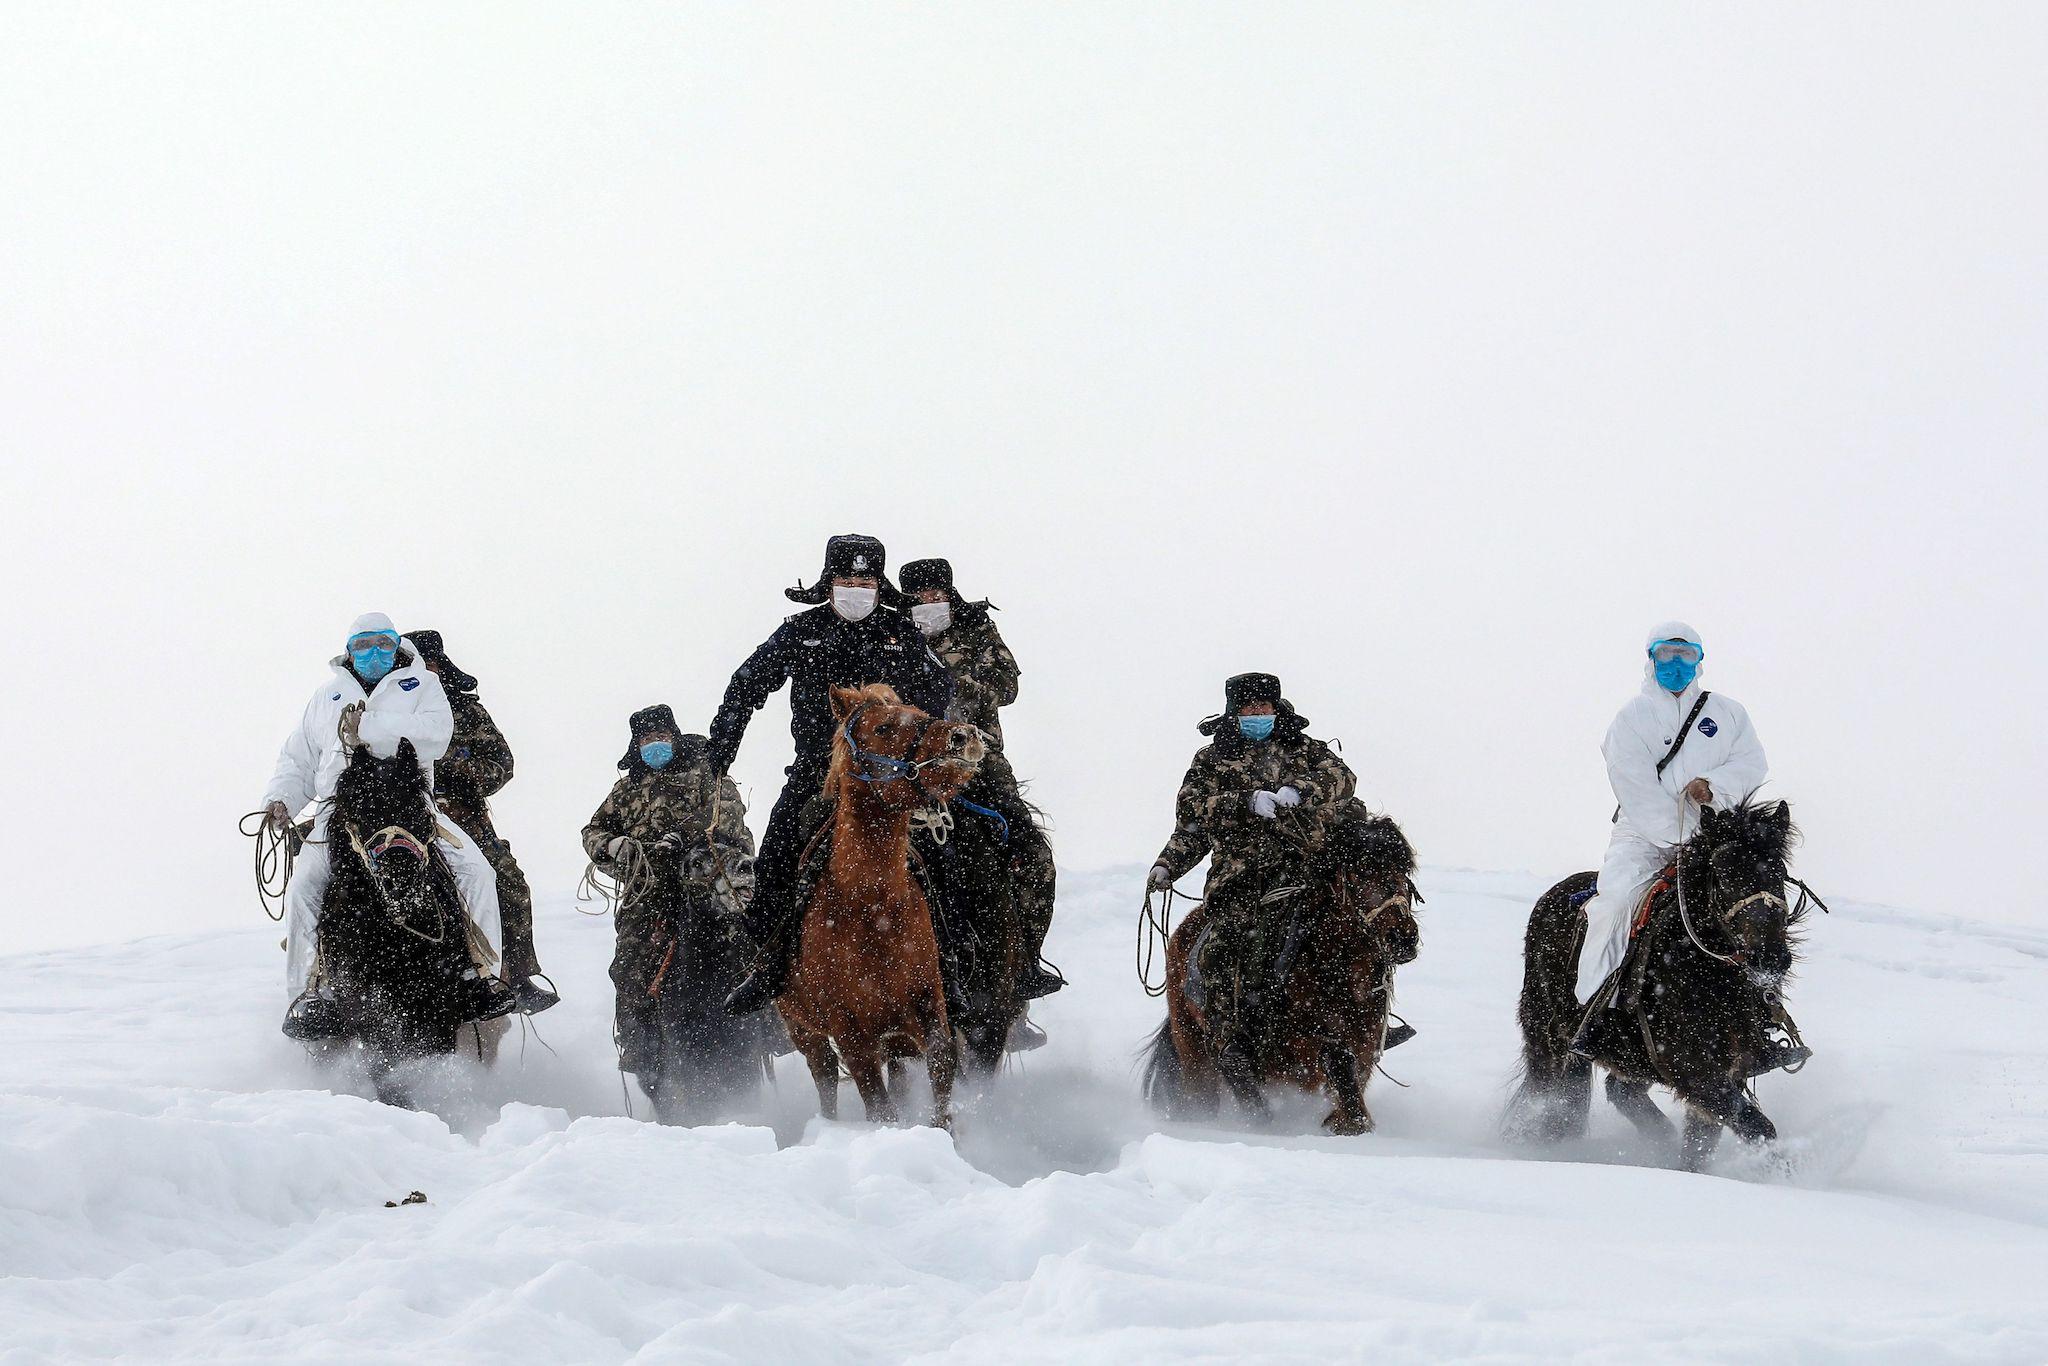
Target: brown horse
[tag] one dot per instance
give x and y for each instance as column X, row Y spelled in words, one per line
column 1344, row 931
column 867, row 989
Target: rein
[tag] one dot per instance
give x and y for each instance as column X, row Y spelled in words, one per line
column 937, row 820
column 380, row 843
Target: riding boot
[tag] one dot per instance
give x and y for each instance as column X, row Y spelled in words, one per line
column 313, row 1016
column 1038, row 979
column 1024, row 1036
column 484, row 996
column 772, row 968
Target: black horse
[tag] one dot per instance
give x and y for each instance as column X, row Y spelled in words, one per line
column 1694, row 1006
column 972, row 855
column 393, row 939
column 697, row 1063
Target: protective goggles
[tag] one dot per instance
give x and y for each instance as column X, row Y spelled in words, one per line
column 372, row 640
column 1664, row 651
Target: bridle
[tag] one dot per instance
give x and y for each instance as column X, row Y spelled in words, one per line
column 374, row 848
column 1771, row 899
column 937, row 820
column 867, row 761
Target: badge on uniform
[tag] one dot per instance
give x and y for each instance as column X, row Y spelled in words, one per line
column 407, row 684
column 1707, row 727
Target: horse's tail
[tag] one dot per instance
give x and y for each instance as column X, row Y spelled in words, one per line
column 1164, row 1081
column 1554, row 1090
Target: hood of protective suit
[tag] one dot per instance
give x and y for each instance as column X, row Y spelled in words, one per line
column 1671, row 630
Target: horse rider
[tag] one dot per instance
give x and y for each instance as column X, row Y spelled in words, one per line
column 1671, row 750
column 1260, row 762
column 964, row 637
column 478, row 763
column 855, row 633
column 381, row 692
column 670, row 798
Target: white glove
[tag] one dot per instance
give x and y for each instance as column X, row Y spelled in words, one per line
column 612, row 850
column 1159, row 877
column 1287, row 796
column 1264, row 804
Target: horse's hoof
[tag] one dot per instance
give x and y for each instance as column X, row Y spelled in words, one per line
column 1345, row 1126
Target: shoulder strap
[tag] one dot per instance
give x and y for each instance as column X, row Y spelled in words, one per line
column 1676, row 745
column 1683, row 731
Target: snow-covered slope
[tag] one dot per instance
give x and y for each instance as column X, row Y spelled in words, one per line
column 177, row 1182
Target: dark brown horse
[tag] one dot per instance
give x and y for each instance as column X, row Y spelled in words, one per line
column 1697, row 1001
column 1346, row 929
column 867, row 989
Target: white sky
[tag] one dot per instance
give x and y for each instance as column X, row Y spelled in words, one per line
column 1423, row 354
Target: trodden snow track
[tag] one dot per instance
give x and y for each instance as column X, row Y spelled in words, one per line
column 176, row 1181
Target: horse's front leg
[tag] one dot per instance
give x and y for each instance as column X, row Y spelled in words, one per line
column 1238, row 1074
column 865, row 1063
column 823, row 1062
column 1632, row 1098
column 1727, row 1105
column 1702, row 1136
column 1342, row 1070
column 941, row 1061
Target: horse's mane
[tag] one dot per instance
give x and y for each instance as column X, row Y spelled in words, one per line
column 1370, row 843
column 879, row 694
column 1762, row 829
column 369, row 779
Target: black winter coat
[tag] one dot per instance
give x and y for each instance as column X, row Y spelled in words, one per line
column 818, row 650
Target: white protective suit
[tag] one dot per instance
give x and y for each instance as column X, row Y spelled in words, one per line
column 406, row 704
column 1655, row 813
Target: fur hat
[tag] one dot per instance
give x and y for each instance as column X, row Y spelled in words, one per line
column 431, row 650
column 1241, row 690
column 849, row 556
column 659, row 719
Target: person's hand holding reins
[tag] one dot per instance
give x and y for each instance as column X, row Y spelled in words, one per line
column 278, row 817
column 1700, row 790
column 351, row 721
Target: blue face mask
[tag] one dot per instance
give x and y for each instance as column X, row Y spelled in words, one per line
column 371, row 665
column 1255, row 727
column 657, row 753
column 1675, row 675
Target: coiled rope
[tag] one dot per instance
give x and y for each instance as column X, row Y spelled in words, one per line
column 1155, row 928
column 620, row 886
column 277, row 852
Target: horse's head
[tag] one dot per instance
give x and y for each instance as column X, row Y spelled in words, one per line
column 903, row 756
column 1371, row 865
column 1734, row 874
column 384, row 810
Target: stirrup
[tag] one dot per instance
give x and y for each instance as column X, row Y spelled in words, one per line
column 312, row 1017
column 1039, row 981
column 534, row 998
column 485, row 998
column 755, row 990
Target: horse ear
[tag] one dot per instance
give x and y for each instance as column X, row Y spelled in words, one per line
column 1709, row 818
column 1781, row 816
column 844, row 700
column 406, row 750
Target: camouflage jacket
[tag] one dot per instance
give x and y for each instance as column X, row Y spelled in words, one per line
column 478, row 763
column 984, row 671
column 1213, row 813
column 647, row 803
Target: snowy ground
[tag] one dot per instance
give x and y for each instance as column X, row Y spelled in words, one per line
column 176, row 1182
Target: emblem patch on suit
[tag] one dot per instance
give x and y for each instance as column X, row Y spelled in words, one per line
column 1707, row 727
